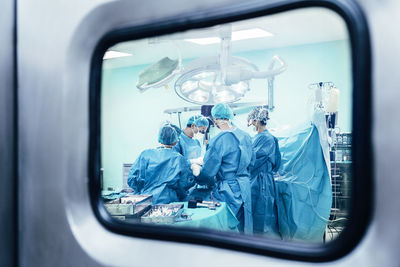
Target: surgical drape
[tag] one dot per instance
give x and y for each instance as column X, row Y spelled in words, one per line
column 304, row 188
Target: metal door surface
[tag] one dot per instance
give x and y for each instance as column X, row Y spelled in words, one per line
column 56, row 40
column 8, row 178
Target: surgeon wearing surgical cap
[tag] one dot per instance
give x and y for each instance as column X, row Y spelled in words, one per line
column 263, row 189
column 226, row 167
column 189, row 140
column 161, row 172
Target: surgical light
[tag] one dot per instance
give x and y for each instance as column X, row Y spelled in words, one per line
column 240, row 87
column 159, row 73
column 224, row 97
column 210, row 80
column 189, row 86
column 199, row 96
column 202, row 82
column 203, row 75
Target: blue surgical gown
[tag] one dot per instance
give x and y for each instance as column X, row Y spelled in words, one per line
column 163, row 173
column 188, row 147
column 263, row 190
column 226, row 168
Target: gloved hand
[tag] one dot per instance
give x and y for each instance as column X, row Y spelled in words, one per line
column 198, row 161
column 195, row 169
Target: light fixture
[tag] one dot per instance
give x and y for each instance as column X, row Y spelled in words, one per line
column 115, row 54
column 240, row 87
column 250, row 34
column 189, row 86
column 224, row 96
column 199, row 96
column 210, row 80
column 205, row 82
column 204, row 41
column 159, row 73
column 202, row 82
column 203, row 75
column 236, row 36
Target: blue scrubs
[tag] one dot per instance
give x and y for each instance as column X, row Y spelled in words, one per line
column 226, row 167
column 263, row 189
column 188, row 147
column 163, row 173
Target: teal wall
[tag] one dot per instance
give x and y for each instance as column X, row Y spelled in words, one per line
column 130, row 119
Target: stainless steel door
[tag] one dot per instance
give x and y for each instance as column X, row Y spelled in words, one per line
column 8, row 204
column 56, row 40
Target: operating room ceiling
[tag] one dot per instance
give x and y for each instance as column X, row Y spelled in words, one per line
column 299, row 27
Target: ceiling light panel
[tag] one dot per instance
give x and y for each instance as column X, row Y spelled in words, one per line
column 250, row 34
column 115, row 54
column 204, row 41
column 236, row 36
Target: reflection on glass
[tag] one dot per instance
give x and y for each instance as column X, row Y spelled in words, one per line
column 243, row 127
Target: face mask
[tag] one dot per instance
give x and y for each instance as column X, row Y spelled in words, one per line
column 254, row 128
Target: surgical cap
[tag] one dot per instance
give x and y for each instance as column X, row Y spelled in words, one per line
column 167, row 135
column 259, row 114
column 222, row 111
column 201, row 121
column 192, row 119
column 177, row 129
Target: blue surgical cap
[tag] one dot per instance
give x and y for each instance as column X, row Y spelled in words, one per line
column 222, row 111
column 201, row 121
column 192, row 120
column 177, row 129
column 167, row 135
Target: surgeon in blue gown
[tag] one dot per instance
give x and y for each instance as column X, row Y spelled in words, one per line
column 188, row 143
column 162, row 172
column 226, row 167
column 263, row 189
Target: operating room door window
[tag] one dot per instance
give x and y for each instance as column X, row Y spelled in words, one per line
column 243, row 127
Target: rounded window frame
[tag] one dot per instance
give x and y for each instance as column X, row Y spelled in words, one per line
column 362, row 198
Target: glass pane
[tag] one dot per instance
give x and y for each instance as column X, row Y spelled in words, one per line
column 242, row 127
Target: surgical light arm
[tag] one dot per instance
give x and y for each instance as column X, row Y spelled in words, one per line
column 236, row 74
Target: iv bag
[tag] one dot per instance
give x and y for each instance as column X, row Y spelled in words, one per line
column 333, row 100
